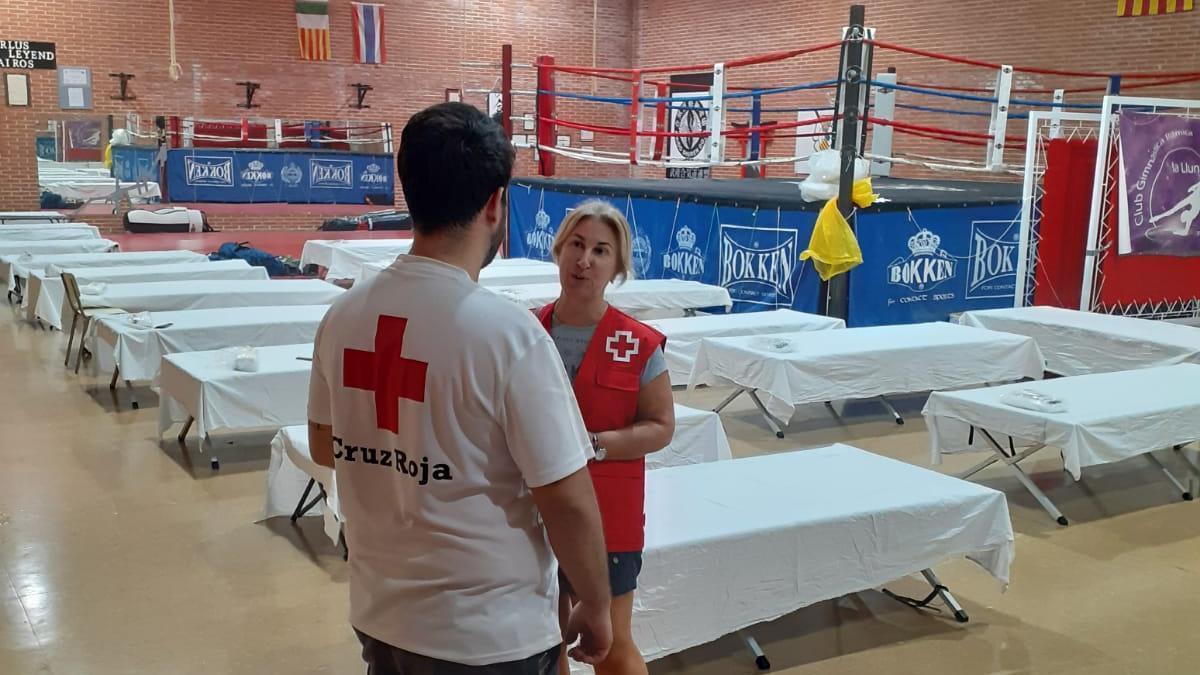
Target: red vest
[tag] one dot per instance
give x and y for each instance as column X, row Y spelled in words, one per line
column 607, row 387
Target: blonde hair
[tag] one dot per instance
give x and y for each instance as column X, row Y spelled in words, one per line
column 609, row 215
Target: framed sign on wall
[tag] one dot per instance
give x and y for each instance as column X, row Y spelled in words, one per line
column 16, row 89
column 74, row 88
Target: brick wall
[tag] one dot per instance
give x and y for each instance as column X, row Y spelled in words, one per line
column 221, row 42
column 1081, row 35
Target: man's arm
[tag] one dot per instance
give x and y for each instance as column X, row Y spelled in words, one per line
column 320, row 443
column 320, row 418
column 568, row 508
column 548, row 442
column 572, row 518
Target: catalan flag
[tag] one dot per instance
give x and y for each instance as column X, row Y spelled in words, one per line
column 1146, row 7
column 312, row 20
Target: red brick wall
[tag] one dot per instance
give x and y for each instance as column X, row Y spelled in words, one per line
column 221, row 42
column 1061, row 34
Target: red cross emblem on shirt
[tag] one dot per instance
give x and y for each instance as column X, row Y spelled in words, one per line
column 622, row 346
column 386, row 372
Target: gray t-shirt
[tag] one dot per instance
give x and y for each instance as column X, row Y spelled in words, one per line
column 573, row 341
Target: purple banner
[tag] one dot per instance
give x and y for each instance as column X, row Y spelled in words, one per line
column 1160, row 173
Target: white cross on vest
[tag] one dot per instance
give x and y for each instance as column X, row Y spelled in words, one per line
column 622, row 346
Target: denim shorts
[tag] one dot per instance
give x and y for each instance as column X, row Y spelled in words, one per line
column 623, row 571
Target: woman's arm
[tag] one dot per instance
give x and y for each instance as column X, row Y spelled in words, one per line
column 651, row 431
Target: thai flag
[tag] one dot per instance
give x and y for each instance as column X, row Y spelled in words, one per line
column 368, row 33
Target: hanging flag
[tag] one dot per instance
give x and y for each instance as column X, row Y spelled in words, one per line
column 312, row 20
column 368, row 33
column 1144, row 7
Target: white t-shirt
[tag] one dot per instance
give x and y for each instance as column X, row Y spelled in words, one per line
column 448, row 556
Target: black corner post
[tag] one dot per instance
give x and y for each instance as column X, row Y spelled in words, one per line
column 849, row 126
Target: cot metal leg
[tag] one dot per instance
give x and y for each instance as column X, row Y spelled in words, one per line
column 112, row 384
column 771, row 422
column 301, row 509
column 760, row 658
column 833, row 411
column 892, row 409
column 730, row 399
column 1185, row 491
column 206, row 448
column 1194, row 479
column 1187, row 459
column 187, row 426
column 939, row 591
column 133, row 402
column 1011, row 462
column 947, row 597
column 966, row 475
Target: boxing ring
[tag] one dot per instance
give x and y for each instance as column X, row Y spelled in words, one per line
column 930, row 251
column 263, row 161
column 937, row 121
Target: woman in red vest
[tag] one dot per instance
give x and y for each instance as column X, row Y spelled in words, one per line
column 620, row 379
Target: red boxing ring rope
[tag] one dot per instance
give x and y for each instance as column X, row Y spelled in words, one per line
column 631, row 73
column 1026, row 69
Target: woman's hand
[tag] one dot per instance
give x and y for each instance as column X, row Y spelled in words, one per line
column 652, row 429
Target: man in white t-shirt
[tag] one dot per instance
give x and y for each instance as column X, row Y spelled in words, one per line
column 459, row 450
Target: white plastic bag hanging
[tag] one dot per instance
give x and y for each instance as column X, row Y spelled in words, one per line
column 825, row 168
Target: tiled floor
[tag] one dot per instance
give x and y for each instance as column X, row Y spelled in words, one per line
column 121, row 555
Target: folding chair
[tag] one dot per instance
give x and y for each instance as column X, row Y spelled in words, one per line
column 79, row 312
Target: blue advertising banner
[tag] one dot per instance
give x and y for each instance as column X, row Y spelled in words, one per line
column 755, row 254
column 295, row 177
column 938, row 261
column 129, row 163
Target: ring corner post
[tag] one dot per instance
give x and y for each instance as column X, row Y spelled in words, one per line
column 716, row 118
column 635, row 116
column 506, row 78
column 662, row 91
column 545, row 114
column 884, row 109
column 836, row 295
column 756, row 138
column 998, row 127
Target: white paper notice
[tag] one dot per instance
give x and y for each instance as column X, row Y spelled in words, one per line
column 75, row 77
column 75, row 97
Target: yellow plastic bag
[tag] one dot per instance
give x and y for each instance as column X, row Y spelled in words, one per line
column 833, row 246
column 862, row 194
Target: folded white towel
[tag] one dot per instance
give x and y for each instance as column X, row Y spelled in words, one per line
column 1029, row 399
column 245, row 359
